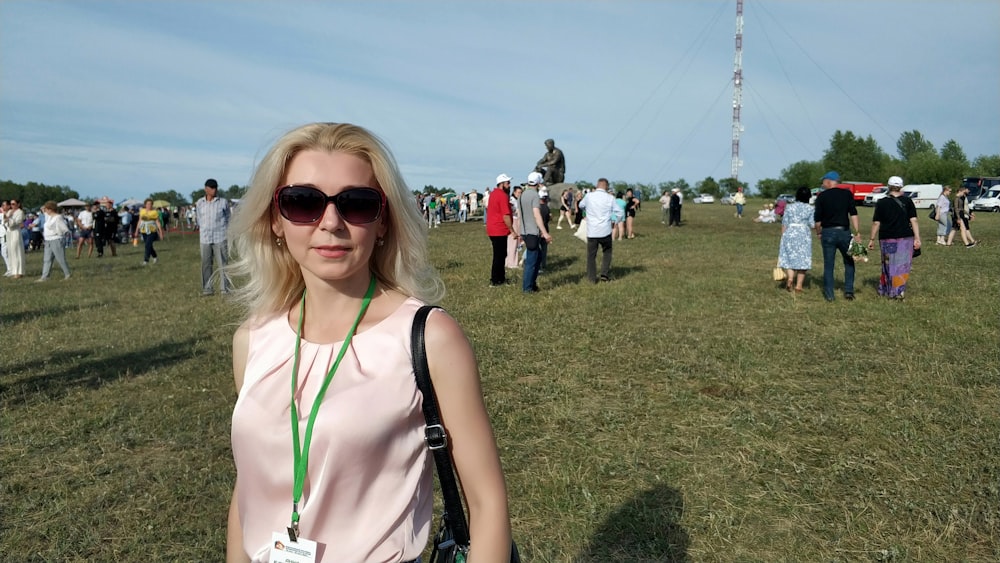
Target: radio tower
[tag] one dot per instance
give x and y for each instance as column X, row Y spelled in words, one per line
column 737, row 90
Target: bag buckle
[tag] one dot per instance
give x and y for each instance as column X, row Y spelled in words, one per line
column 436, row 437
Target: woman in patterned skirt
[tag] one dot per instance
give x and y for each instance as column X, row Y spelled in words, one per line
column 895, row 223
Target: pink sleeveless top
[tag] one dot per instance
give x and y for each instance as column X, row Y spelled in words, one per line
column 368, row 494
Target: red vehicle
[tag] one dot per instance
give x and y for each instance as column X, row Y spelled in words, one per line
column 860, row 189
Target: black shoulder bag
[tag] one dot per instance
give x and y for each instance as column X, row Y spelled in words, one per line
column 451, row 543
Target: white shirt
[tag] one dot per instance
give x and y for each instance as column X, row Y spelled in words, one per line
column 599, row 204
column 86, row 219
column 55, row 227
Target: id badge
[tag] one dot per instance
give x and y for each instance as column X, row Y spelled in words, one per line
column 285, row 551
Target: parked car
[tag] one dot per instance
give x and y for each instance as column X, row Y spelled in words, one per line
column 728, row 199
column 876, row 194
column 789, row 198
column 924, row 196
column 703, row 198
column 990, row 201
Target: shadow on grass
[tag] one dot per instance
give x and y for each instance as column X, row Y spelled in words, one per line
column 560, row 263
column 55, row 375
column 646, row 528
column 49, row 311
column 578, row 277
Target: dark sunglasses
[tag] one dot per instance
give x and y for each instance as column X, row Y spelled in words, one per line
column 306, row 204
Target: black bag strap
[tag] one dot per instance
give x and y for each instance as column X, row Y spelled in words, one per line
column 435, row 434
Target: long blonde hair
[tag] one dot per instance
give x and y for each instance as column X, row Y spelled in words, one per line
column 273, row 280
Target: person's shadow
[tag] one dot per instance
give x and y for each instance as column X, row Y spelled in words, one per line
column 646, row 528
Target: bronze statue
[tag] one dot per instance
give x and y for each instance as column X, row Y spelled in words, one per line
column 552, row 165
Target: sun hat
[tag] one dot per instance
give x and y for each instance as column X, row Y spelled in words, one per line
column 502, row 178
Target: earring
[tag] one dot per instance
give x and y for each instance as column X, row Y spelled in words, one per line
column 380, row 241
column 279, row 241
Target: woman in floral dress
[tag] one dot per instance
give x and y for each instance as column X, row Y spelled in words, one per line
column 795, row 251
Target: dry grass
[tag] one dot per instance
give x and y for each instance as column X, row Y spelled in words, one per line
column 687, row 411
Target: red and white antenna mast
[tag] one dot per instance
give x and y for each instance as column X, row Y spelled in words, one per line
column 738, row 90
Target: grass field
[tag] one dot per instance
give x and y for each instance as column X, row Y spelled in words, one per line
column 687, row 411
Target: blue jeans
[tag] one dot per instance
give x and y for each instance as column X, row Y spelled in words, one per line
column 833, row 240
column 530, row 280
column 739, row 209
column 147, row 240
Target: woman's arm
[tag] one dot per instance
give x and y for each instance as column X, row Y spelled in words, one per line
column 234, row 530
column 875, row 228
column 916, row 231
column 455, row 375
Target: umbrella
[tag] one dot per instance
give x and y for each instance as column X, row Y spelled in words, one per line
column 72, row 202
column 161, row 203
column 130, row 202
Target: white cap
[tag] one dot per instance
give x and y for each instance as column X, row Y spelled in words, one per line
column 896, row 181
column 534, row 179
column 502, row 178
column 543, row 193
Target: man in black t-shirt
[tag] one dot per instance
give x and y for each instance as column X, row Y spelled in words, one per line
column 105, row 227
column 836, row 217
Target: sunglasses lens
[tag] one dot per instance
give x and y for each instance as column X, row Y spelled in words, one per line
column 359, row 205
column 301, row 204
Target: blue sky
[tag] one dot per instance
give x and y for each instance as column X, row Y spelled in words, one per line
column 128, row 98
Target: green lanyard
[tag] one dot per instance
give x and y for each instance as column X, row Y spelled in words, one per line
column 301, row 452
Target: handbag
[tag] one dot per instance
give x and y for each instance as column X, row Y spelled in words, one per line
column 451, row 543
column 933, row 214
column 778, row 273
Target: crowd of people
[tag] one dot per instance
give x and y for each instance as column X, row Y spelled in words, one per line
column 100, row 225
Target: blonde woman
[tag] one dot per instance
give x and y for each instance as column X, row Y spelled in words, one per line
column 335, row 263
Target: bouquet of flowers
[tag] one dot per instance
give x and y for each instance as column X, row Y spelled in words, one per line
column 858, row 251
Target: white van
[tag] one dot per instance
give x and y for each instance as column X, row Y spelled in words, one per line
column 924, row 196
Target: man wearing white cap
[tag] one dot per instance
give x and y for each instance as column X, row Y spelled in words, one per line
column 499, row 225
column 532, row 230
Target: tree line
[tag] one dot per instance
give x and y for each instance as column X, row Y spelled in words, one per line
column 33, row 194
column 861, row 159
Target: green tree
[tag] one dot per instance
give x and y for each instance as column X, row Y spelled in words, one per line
column 802, row 173
column 175, row 199
column 33, row 194
column 707, row 186
column 951, row 151
column 853, row 157
column 986, row 165
column 912, row 143
column 929, row 168
column 769, row 188
column 232, row 192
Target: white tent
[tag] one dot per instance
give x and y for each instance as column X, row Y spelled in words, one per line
column 72, row 202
